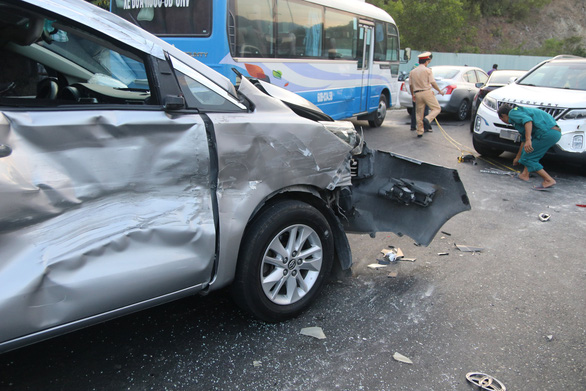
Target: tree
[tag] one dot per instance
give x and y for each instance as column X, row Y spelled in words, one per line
column 437, row 25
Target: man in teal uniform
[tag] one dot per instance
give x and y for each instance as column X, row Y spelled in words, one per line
column 539, row 132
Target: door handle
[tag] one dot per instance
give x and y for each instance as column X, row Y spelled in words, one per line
column 5, row 150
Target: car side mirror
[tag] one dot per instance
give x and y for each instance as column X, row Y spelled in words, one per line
column 479, row 85
column 173, row 102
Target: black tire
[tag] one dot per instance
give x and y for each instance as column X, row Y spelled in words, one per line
column 463, row 110
column 378, row 117
column 486, row 151
column 277, row 279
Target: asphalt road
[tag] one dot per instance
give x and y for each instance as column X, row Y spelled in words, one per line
column 515, row 311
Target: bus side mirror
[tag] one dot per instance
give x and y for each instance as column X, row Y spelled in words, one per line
column 407, row 54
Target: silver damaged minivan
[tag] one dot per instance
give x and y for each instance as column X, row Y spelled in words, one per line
column 132, row 175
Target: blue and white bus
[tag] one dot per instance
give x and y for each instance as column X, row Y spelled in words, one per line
column 342, row 55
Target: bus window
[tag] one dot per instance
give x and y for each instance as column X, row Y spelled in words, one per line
column 392, row 43
column 254, row 28
column 341, row 34
column 380, row 42
column 191, row 18
column 299, row 29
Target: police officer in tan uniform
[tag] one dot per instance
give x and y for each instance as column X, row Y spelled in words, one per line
column 420, row 82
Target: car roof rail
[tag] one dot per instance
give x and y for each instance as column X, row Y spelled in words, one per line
column 565, row 56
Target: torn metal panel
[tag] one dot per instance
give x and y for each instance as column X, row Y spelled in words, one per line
column 391, row 193
column 260, row 155
column 100, row 210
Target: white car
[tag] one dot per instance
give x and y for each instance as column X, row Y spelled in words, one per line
column 557, row 86
column 460, row 84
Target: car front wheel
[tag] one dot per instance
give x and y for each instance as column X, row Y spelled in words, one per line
column 286, row 255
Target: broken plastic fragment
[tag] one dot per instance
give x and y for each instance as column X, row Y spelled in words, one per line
column 443, row 253
column 399, row 357
column 469, row 249
column 396, row 251
column 544, row 216
column 315, row 332
column 375, row 266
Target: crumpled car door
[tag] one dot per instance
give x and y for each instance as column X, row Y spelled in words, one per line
column 100, row 209
column 392, row 193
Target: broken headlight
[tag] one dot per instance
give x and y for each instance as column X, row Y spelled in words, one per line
column 345, row 132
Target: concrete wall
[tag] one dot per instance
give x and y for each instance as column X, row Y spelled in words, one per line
column 483, row 61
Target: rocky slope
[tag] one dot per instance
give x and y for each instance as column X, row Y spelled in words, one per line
column 561, row 19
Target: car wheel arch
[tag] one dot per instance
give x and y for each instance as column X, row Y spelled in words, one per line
column 315, row 198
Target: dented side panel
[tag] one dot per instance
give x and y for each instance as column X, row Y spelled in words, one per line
column 261, row 154
column 392, row 193
column 99, row 210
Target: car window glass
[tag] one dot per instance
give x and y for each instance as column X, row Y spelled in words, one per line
column 470, row 77
column 444, row 73
column 201, row 93
column 66, row 65
column 482, row 77
column 569, row 75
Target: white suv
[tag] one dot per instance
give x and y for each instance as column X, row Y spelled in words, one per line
column 557, row 86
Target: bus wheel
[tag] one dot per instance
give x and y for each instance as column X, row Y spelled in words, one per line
column 380, row 113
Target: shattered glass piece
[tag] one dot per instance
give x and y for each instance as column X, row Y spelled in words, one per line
column 315, row 332
column 399, row 357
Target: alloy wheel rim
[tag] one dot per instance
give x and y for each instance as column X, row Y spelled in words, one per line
column 291, row 264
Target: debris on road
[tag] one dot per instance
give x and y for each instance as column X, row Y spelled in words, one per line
column 468, row 249
column 467, row 159
column 485, row 382
column 376, row 266
column 392, row 254
column 399, row 357
column 446, row 233
column 315, row 332
column 498, row 172
column 440, row 254
column 257, row 364
column 544, row 216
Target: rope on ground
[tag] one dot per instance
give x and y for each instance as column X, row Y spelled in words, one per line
column 463, row 149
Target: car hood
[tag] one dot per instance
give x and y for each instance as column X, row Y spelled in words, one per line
column 295, row 102
column 540, row 96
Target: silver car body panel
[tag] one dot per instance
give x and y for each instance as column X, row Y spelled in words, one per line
column 259, row 156
column 100, row 210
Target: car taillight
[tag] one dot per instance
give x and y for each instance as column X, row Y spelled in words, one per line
column 450, row 88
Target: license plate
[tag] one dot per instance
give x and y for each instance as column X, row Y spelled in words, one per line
column 512, row 135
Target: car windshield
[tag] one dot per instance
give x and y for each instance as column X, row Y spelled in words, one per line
column 563, row 74
column 444, row 73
